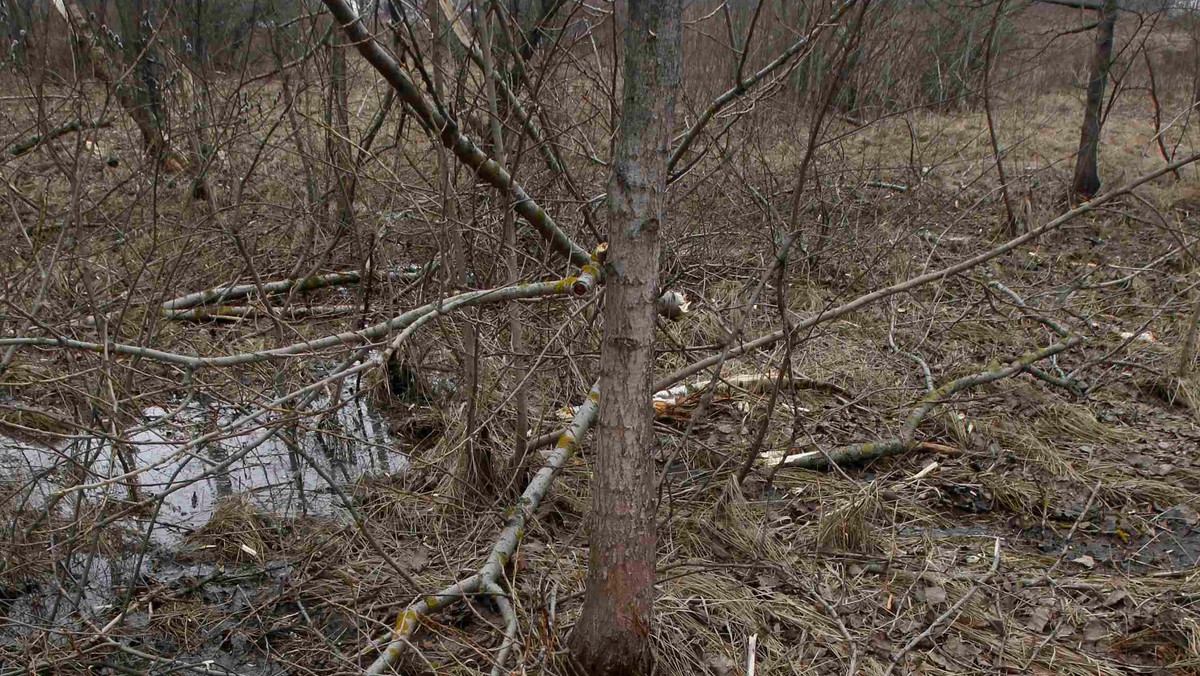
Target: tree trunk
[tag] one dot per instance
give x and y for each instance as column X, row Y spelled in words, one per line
column 475, row 472
column 518, row 469
column 149, row 61
column 612, row 635
column 199, row 36
column 135, row 101
column 1087, row 176
column 1185, row 356
column 1196, row 74
column 338, row 144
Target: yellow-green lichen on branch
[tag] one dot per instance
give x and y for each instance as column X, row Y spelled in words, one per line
column 562, row 285
column 406, row 620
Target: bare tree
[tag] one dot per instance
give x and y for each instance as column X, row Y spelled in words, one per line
column 612, row 636
column 1087, row 176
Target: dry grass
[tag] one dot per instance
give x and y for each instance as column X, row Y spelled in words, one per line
column 824, row 567
column 237, row 532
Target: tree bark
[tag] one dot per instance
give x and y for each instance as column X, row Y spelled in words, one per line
column 337, row 138
column 1185, row 356
column 1087, row 176
column 108, row 70
column 612, row 635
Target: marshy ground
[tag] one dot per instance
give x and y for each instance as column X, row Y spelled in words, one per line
column 1036, row 527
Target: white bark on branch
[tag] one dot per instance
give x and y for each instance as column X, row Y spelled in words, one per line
column 568, row 286
column 181, row 308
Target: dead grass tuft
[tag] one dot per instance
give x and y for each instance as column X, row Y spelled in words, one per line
column 1172, row 390
column 848, row 527
column 1065, row 421
column 237, row 532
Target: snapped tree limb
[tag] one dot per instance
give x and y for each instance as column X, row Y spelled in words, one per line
column 182, row 307
column 491, row 572
column 569, row 286
column 21, row 147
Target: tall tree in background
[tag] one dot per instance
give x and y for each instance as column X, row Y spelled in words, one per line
column 1087, row 175
column 612, row 636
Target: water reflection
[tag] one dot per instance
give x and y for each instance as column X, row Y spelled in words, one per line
column 276, row 475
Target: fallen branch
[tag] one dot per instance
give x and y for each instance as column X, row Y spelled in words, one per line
column 1077, row 387
column 1020, row 302
column 174, row 308
column 934, row 447
column 750, row 382
column 895, row 187
column 237, row 313
column 487, row 578
column 21, row 147
column 665, row 399
column 906, row 440
column 228, row 292
column 510, row 626
column 910, row 284
column 568, row 286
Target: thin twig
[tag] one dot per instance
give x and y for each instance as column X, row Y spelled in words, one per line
column 950, row 612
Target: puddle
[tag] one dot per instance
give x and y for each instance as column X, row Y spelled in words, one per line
column 276, row 476
column 282, row 476
column 100, row 585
